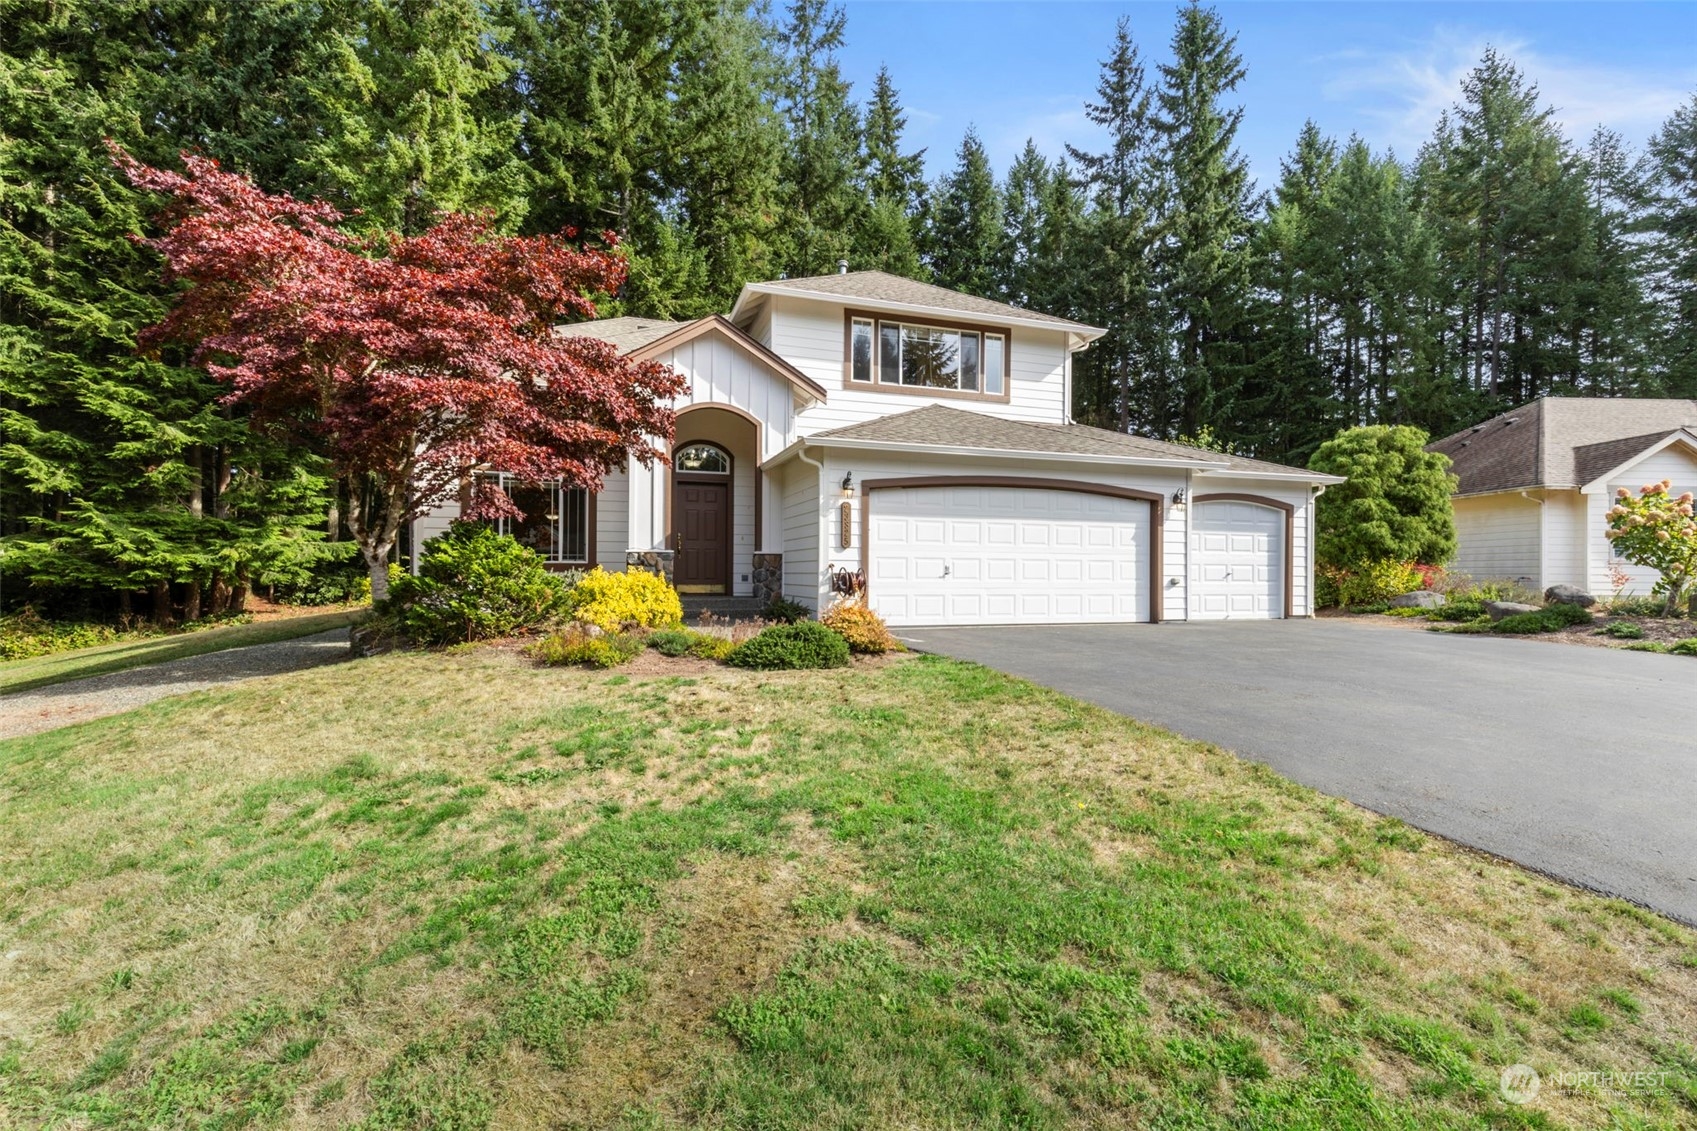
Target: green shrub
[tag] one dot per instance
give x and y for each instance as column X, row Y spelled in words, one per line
column 1622, row 630
column 785, row 611
column 1364, row 585
column 1647, row 646
column 472, row 584
column 672, row 641
column 1551, row 619
column 807, row 644
column 1635, row 607
column 1686, row 647
column 709, row 647
column 1463, row 608
column 632, row 599
column 1393, row 506
column 577, row 645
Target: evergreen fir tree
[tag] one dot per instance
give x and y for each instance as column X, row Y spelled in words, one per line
column 965, row 233
column 895, row 188
column 822, row 170
column 1124, row 377
column 1207, row 220
column 1670, row 185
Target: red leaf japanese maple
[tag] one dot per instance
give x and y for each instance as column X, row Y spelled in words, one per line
column 410, row 362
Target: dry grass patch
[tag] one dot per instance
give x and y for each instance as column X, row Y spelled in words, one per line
column 462, row 891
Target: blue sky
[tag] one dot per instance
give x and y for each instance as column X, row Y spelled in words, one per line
column 1384, row 70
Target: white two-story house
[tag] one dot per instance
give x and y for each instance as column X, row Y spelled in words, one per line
column 866, row 430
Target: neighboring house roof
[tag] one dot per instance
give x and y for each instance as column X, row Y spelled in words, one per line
column 1562, row 442
column 626, row 334
column 647, row 338
column 953, row 429
column 879, row 288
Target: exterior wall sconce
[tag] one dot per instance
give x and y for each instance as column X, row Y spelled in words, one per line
column 848, row 484
column 1178, row 497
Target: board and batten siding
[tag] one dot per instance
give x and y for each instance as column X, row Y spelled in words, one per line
column 809, row 335
column 1498, row 537
column 720, row 373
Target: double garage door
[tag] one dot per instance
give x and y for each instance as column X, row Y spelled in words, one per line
column 1021, row 555
column 1007, row 555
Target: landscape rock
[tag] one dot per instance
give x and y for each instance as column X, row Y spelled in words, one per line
column 1568, row 595
column 1497, row 610
column 1421, row 599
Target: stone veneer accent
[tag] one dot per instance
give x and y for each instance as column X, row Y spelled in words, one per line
column 768, row 577
column 654, row 561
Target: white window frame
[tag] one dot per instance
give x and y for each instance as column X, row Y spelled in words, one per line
column 991, row 385
column 569, row 502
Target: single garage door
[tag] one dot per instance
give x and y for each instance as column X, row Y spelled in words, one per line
column 1007, row 555
column 1237, row 566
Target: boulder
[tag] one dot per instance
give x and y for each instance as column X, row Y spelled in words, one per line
column 1497, row 610
column 1421, row 599
column 1568, row 595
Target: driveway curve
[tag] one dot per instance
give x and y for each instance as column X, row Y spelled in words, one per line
column 77, row 700
column 1577, row 762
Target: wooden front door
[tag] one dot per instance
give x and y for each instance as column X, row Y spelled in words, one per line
column 701, row 515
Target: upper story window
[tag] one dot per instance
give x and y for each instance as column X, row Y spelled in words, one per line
column 898, row 354
column 555, row 518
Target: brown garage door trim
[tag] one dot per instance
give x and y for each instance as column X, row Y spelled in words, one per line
column 1290, row 532
column 1157, row 507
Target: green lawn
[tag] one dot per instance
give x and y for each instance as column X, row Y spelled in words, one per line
column 41, row 671
column 456, row 891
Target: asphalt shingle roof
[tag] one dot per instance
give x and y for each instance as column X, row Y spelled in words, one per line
column 944, row 427
column 625, row 333
column 1560, row 441
column 880, row 286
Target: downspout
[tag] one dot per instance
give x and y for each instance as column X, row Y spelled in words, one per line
column 822, row 531
column 1543, row 551
column 1313, row 534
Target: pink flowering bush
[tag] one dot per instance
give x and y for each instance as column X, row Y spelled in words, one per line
column 1659, row 531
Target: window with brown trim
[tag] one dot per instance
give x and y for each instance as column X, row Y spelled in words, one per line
column 554, row 520
column 922, row 356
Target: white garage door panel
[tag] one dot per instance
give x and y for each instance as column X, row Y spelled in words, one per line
column 1007, row 555
column 1237, row 561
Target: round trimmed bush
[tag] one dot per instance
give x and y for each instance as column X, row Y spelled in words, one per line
column 806, row 644
column 472, row 584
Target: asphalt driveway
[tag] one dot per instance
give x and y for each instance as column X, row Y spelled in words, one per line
column 1579, row 762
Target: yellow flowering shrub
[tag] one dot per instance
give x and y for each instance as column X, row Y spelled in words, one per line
column 632, row 599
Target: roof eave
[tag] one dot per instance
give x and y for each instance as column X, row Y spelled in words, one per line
column 1678, row 436
column 990, row 453
column 1293, row 476
column 1087, row 334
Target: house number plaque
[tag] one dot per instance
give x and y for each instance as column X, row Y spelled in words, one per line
column 845, row 523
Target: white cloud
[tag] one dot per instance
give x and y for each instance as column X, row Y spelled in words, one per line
column 1404, row 92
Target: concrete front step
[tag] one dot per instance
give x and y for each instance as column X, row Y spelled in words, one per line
column 733, row 608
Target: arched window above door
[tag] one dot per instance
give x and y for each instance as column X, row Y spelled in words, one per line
column 702, row 459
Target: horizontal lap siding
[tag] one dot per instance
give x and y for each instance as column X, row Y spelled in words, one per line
column 801, row 516
column 1674, row 464
column 1565, row 523
column 809, row 335
column 1498, row 538
column 612, row 521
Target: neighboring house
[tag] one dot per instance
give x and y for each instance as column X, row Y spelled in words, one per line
column 1535, row 484
column 865, row 426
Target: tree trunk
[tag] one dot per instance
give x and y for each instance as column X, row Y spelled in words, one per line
column 191, row 601
column 238, row 594
column 162, row 604
column 220, row 595
column 379, row 566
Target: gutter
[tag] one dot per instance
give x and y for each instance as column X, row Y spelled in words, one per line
column 1089, row 333
column 993, row 453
